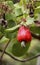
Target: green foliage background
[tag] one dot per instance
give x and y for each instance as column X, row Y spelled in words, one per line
column 18, row 11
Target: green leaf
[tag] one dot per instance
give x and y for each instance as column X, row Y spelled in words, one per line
column 1, row 34
column 16, row 5
column 10, row 16
column 15, row 48
column 18, row 11
column 11, row 35
column 4, row 40
column 37, row 10
column 11, row 23
column 37, row 3
column 10, row 4
column 29, row 20
column 22, row 2
column 2, row 29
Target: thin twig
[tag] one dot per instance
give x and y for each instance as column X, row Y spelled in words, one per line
column 35, row 35
column 20, row 60
column 4, row 50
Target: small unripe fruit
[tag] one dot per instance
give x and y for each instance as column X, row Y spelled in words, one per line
column 24, row 34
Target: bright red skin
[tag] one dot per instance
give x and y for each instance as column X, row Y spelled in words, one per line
column 24, row 34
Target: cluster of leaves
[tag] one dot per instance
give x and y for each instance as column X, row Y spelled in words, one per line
column 14, row 15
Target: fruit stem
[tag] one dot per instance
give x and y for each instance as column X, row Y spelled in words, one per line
column 23, row 44
column 14, row 28
column 17, row 26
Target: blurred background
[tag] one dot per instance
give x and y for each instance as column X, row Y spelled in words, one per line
column 34, row 46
